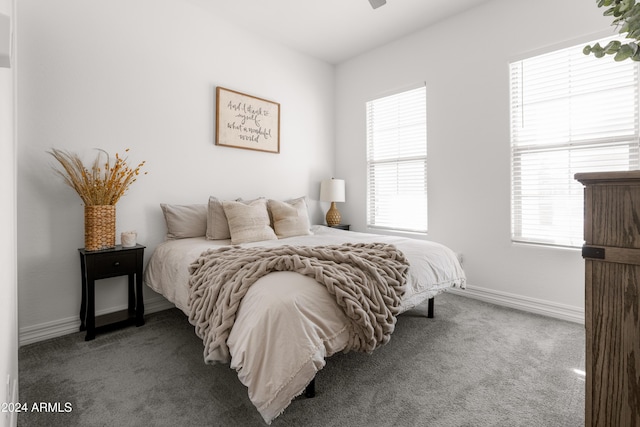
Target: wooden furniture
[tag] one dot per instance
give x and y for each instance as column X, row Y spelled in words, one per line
column 341, row 226
column 103, row 264
column 612, row 299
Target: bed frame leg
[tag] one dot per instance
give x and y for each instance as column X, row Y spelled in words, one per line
column 430, row 308
column 310, row 391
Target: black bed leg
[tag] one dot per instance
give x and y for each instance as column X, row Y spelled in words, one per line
column 430, row 308
column 310, row 391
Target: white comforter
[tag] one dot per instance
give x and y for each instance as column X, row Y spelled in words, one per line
column 288, row 323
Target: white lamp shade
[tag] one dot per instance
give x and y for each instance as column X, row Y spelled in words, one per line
column 332, row 190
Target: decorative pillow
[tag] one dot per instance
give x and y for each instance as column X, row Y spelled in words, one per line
column 185, row 220
column 290, row 218
column 248, row 222
column 217, row 224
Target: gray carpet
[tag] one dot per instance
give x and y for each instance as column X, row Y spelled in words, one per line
column 474, row 364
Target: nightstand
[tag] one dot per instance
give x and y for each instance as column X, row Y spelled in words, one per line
column 340, row 226
column 103, row 264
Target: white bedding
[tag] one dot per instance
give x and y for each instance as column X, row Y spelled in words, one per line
column 288, row 323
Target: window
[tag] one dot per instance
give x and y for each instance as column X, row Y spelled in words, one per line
column 570, row 113
column 397, row 161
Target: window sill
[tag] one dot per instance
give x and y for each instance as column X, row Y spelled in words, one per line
column 525, row 243
column 394, row 232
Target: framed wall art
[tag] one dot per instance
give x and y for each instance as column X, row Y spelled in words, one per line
column 245, row 121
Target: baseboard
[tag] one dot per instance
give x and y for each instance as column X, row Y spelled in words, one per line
column 57, row 328
column 532, row 305
column 70, row 325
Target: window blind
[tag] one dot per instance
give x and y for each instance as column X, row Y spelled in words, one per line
column 397, row 161
column 570, row 113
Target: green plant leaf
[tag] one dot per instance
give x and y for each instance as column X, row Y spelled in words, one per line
column 626, row 5
column 612, row 47
column 625, row 52
column 626, row 14
column 635, row 49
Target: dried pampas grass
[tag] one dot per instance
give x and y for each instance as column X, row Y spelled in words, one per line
column 102, row 184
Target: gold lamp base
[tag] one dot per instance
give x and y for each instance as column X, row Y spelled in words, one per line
column 333, row 215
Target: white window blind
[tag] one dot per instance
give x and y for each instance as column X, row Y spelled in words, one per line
column 570, row 113
column 397, row 161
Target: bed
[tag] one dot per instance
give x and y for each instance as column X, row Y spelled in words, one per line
column 287, row 323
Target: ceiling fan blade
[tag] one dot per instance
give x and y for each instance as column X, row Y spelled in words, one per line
column 377, row 3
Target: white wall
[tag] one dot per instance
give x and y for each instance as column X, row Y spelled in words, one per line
column 8, row 273
column 141, row 74
column 464, row 62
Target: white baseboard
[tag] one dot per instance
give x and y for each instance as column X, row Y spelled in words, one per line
column 532, row 305
column 57, row 328
column 70, row 325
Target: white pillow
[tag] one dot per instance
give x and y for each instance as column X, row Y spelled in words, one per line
column 248, row 222
column 290, row 218
column 185, row 220
column 217, row 224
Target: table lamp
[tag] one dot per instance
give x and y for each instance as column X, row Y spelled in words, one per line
column 332, row 190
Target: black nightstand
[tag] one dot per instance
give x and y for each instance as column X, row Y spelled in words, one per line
column 340, row 226
column 103, row 264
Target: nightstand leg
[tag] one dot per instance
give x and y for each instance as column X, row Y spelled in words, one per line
column 83, row 303
column 132, row 295
column 91, row 310
column 139, row 300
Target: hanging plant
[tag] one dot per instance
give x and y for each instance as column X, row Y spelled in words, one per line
column 626, row 14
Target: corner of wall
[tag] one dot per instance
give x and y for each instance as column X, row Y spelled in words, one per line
column 8, row 245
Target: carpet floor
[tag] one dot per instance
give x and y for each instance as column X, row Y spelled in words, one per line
column 474, row 364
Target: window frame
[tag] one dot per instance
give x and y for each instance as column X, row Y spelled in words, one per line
column 375, row 218
column 571, row 146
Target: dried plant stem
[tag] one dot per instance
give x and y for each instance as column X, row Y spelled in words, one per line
column 103, row 184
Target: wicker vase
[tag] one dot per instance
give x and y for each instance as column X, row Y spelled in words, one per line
column 99, row 227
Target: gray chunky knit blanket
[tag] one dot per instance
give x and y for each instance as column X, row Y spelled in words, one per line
column 366, row 279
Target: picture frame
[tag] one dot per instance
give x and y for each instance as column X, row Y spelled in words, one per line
column 247, row 122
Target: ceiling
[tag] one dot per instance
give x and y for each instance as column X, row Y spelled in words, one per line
column 335, row 30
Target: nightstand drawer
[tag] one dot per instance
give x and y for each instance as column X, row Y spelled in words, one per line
column 116, row 264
